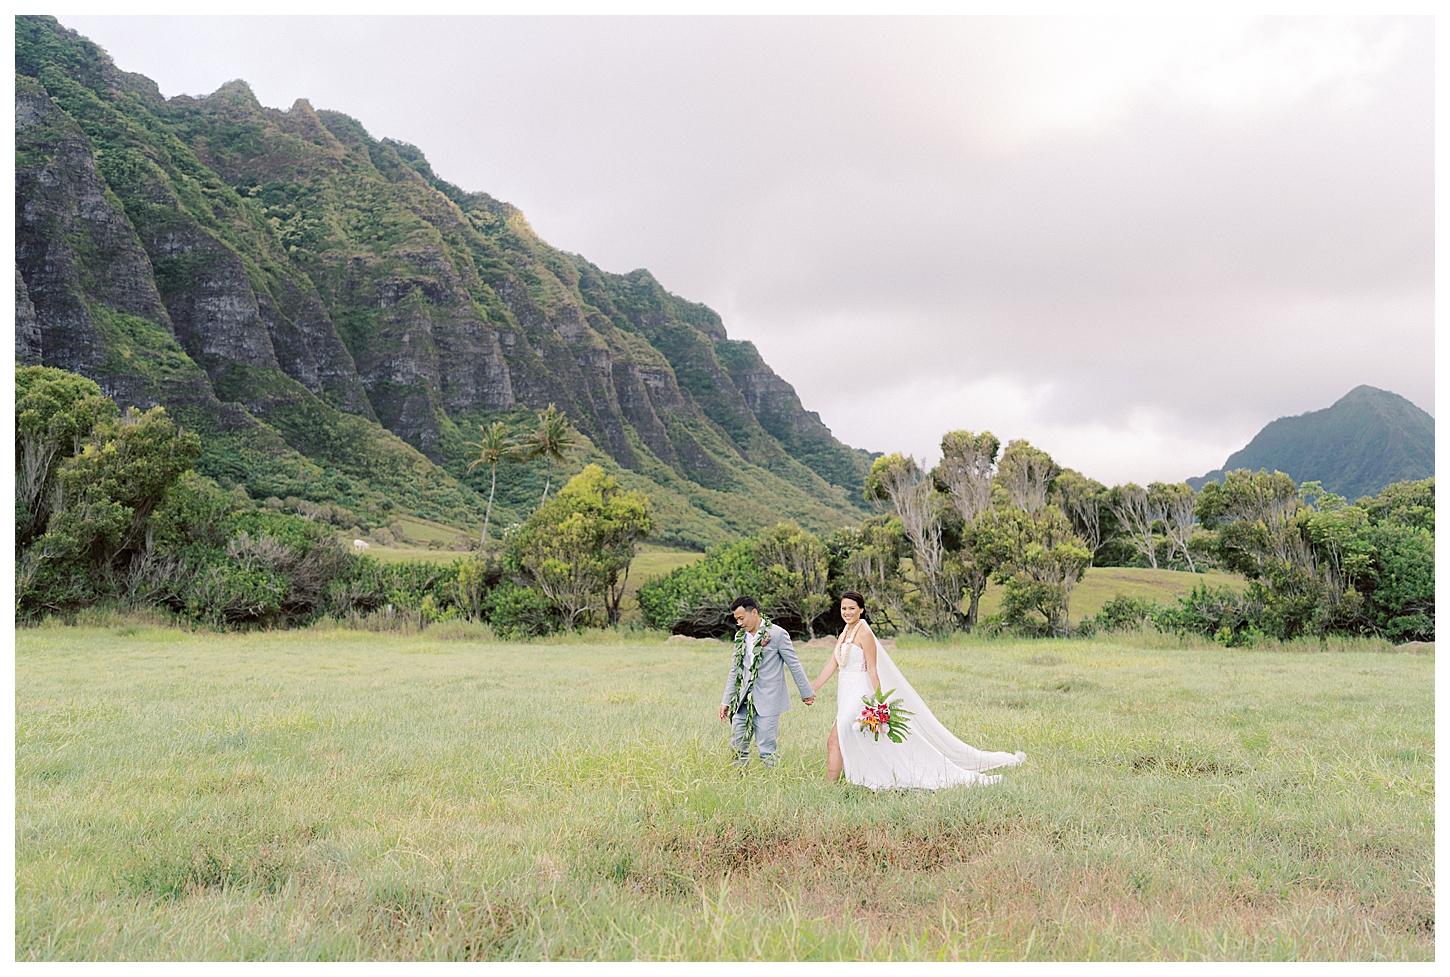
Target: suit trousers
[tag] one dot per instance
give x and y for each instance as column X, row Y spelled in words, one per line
column 765, row 731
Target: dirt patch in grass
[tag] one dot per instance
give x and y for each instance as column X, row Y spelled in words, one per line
column 415, row 923
column 265, row 868
column 1185, row 766
column 678, row 863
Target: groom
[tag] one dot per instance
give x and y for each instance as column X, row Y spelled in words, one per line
column 755, row 691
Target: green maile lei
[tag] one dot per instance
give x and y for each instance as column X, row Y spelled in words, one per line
column 763, row 632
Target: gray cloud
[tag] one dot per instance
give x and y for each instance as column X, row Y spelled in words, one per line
column 1132, row 241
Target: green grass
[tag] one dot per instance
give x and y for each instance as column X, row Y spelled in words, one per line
column 408, row 554
column 341, row 795
column 425, row 531
column 651, row 561
column 1101, row 584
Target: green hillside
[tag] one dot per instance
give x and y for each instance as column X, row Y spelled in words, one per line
column 1367, row 439
column 336, row 320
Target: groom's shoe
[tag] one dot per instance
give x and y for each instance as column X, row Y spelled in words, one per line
column 769, row 760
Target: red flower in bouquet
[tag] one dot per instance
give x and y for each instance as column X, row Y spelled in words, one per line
column 882, row 714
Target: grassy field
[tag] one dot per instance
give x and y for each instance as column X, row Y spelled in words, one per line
column 652, row 561
column 343, row 795
column 402, row 554
column 1101, row 584
column 423, row 531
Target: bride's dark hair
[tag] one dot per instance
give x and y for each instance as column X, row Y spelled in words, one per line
column 860, row 602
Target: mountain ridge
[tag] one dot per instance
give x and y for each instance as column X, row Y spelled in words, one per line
column 1365, row 440
column 327, row 311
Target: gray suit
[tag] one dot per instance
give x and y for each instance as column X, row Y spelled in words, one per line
column 772, row 695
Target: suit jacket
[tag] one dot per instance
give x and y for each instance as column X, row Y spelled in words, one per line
column 772, row 695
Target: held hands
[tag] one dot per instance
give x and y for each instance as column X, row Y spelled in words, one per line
column 809, row 701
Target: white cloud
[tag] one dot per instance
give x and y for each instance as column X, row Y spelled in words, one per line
column 1086, row 74
column 1146, row 445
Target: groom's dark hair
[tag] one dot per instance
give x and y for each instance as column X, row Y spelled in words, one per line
column 746, row 602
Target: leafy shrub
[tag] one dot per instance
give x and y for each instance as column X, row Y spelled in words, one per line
column 1123, row 613
column 796, row 567
column 1317, row 564
column 1401, row 603
column 1036, row 558
column 99, row 504
column 307, row 558
column 794, row 576
column 55, row 412
column 1219, row 613
column 223, row 593
column 367, row 585
column 696, row 599
column 197, row 517
column 515, row 611
column 1407, row 503
column 472, row 581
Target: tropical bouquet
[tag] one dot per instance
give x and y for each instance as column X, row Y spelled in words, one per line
column 883, row 714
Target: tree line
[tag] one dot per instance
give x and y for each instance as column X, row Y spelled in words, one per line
column 108, row 510
column 1314, row 563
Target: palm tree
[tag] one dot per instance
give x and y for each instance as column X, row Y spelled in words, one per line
column 495, row 446
column 554, row 436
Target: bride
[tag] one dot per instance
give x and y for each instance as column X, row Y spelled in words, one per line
column 930, row 757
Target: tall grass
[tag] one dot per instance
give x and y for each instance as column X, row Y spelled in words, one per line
column 337, row 794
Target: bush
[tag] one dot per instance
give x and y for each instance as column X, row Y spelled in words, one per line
column 1123, row 613
column 1401, row 599
column 788, row 570
column 796, row 566
column 1219, row 613
column 1318, row 565
column 695, row 599
column 517, row 612
column 472, row 581
column 100, row 503
column 55, row 412
column 367, row 585
column 867, row 559
column 223, row 594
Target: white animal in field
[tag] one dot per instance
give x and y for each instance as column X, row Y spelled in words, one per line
column 358, row 545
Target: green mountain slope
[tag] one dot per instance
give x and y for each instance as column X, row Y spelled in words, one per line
column 1366, row 440
column 336, row 320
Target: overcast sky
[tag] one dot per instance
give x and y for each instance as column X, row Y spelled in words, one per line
column 1132, row 241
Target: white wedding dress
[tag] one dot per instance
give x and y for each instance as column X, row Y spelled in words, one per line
column 930, row 757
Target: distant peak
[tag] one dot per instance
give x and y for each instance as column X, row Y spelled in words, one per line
column 1364, row 441
column 1365, row 392
column 1373, row 398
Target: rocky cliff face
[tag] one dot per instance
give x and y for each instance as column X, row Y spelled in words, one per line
column 213, row 251
column 74, row 245
column 27, row 326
